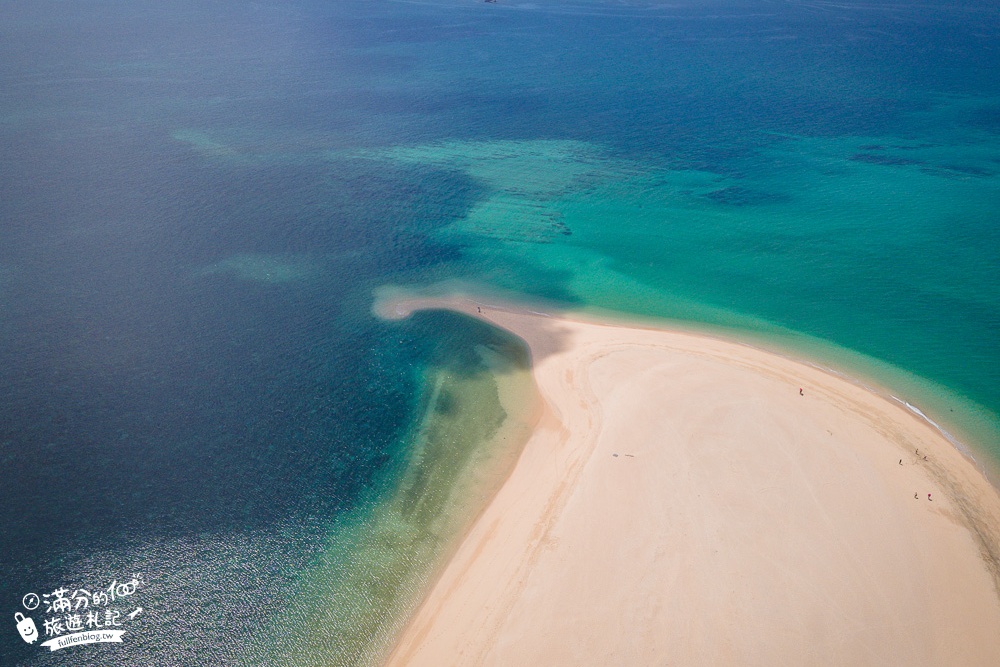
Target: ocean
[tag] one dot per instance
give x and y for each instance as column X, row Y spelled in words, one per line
column 198, row 201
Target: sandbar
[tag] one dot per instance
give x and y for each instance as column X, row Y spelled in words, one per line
column 689, row 500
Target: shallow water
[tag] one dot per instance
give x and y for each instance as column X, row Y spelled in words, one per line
column 198, row 200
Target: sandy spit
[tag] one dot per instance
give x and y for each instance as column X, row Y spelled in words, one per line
column 681, row 502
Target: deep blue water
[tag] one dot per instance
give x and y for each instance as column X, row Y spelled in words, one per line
column 197, row 198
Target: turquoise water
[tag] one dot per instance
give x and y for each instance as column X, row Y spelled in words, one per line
column 200, row 198
column 816, row 241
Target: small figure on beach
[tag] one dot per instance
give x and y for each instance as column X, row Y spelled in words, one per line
column 915, row 496
column 929, row 497
column 900, row 461
column 478, row 309
column 925, row 458
column 801, row 392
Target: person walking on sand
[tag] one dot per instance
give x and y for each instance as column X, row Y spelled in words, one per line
column 929, row 497
column 800, row 392
column 915, row 496
column 900, row 461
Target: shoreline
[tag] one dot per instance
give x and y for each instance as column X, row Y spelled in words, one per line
column 461, row 622
column 468, row 497
column 843, row 363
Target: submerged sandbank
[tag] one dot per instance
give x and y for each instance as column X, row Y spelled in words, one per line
column 475, row 411
column 681, row 502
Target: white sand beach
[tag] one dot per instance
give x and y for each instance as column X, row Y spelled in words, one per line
column 680, row 502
